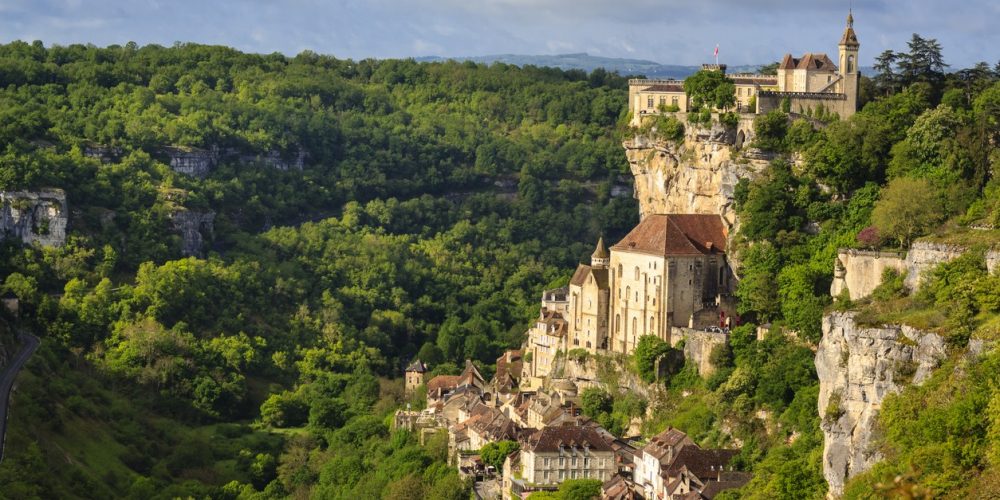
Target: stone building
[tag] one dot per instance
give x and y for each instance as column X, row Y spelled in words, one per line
column 545, row 340
column 415, row 376
column 670, row 270
column 807, row 83
column 588, row 302
column 555, row 454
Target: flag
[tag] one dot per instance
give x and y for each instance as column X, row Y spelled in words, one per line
column 716, row 50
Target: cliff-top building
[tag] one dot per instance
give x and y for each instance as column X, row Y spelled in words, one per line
column 809, row 82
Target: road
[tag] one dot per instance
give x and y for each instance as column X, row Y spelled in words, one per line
column 488, row 489
column 29, row 343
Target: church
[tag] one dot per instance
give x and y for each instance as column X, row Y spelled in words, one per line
column 669, row 271
column 809, row 82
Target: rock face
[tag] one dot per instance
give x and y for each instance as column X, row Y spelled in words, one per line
column 698, row 176
column 925, row 255
column 858, row 367
column 34, row 216
column 193, row 226
column 193, row 162
column 273, row 159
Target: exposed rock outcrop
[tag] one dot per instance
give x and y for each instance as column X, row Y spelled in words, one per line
column 925, row 255
column 857, row 368
column 273, row 159
column 698, row 346
column 698, row 176
column 193, row 227
column 34, row 216
column 192, row 161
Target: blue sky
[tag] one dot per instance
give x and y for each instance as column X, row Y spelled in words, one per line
column 667, row 31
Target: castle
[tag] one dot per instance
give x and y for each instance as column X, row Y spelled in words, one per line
column 810, row 82
column 669, row 271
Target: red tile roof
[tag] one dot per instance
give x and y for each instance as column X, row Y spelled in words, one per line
column 676, row 234
column 808, row 61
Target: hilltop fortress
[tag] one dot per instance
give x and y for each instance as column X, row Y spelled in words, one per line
column 810, row 82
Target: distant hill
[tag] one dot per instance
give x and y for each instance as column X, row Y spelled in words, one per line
column 582, row 61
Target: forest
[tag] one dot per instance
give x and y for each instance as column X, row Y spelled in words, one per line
column 437, row 200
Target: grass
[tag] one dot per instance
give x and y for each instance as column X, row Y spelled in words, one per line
column 966, row 237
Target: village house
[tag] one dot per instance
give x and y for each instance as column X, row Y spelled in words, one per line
column 554, row 454
column 414, row 376
column 671, row 465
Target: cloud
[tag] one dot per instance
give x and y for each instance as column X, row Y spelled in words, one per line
column 669, row 31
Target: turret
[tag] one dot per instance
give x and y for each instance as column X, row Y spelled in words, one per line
column 849, row 61
column 600, row 258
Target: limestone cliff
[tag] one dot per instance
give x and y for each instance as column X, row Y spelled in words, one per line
column 193, row 226
column 697, row 176
column 34, row 216
column 857, row 368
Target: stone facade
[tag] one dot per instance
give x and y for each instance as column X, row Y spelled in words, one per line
column 860, row 271
column 662, row 273
column 34, row 216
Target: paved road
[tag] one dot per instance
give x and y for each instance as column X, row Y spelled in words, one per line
column 29, row 343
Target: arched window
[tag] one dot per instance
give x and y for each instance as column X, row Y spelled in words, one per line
column 619, row 270
column 652, row 324
column 637, row 273
column 850, row 64
column 618, row 322
column 634, row 326
column 628, row 292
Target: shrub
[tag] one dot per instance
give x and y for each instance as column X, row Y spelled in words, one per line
column 869, row 237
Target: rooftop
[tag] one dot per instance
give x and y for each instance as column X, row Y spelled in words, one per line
column 676, row 234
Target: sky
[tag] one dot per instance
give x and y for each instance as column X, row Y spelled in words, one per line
column 666, row 31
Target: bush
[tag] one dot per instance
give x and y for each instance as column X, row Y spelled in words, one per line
column 647, row 351
column 891, row 286
column 730, row 119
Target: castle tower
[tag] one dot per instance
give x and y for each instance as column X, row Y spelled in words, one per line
column 849, row 63
column 600, row 258
column 415, row 376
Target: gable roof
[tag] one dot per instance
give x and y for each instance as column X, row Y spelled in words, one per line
column 660, row 444
column 583, row 270
column 809, row 61
column 675, row 234
column 551, row 439
column 442, row 382
column 703, row 464
column 417, row 366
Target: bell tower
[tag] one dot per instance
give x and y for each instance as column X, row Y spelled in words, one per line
column 849, row 63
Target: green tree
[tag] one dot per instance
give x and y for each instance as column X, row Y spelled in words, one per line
column 711, row 89
column 907, row 208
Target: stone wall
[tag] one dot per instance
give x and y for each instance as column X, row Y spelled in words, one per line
column 698, row 345
column 857, row 368
column 860, row 271
column 34, row 216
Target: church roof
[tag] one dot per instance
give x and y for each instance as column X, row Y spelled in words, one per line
column 583, row 270
column 850, row 38
column 676, row 234
column 417, row 366
column 600, row 252
column 809, row 61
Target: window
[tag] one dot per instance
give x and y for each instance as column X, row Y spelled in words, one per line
column 637, row 295
column 618, row 322
column 637, row 273
column 634, row 326
column 663, row 100
column 673, row 101
column 649, row 102
column 850, row 64
column 546, row 464
column 562, row 475
column 652, row 324
column 619, row 270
